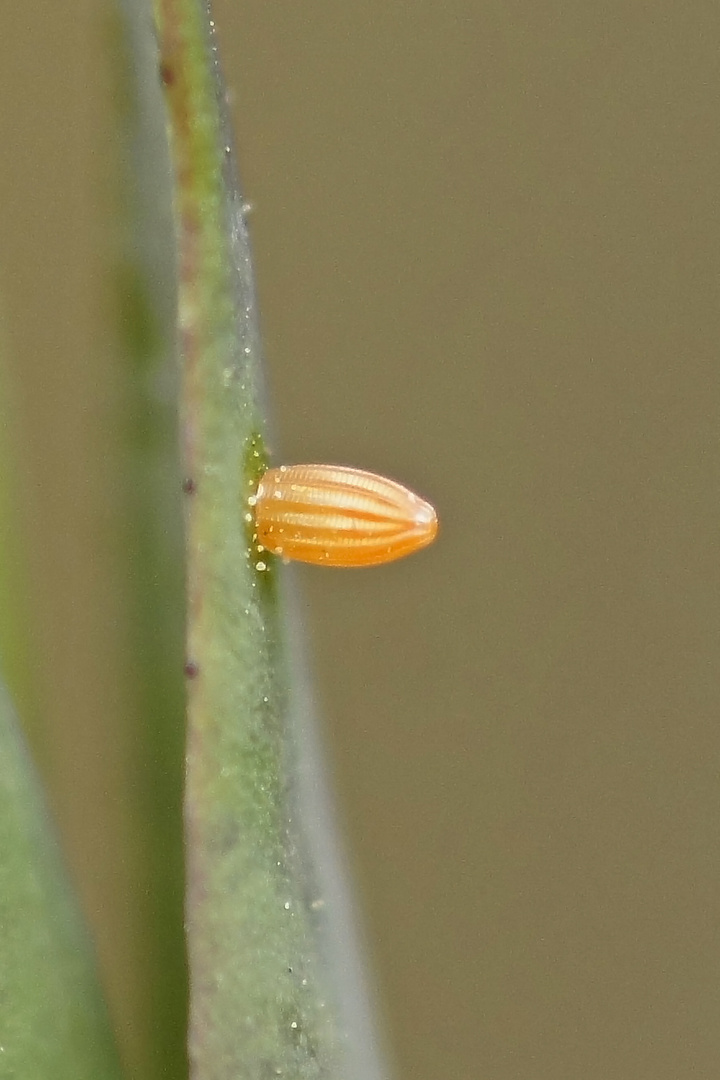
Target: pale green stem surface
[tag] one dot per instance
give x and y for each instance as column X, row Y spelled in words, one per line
column 260, row 1000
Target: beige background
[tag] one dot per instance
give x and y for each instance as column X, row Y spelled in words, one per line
column 488, row 252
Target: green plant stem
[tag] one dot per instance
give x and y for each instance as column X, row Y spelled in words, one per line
column 259, row 1004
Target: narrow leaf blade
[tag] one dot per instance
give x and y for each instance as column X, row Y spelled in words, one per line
column 53, row 1023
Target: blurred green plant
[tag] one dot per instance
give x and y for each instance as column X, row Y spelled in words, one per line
column 53, row 1021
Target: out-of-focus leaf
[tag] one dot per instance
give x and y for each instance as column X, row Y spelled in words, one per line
column 53, row 1023
column 152, row 541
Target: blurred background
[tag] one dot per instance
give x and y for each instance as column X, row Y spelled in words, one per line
column 487, row 245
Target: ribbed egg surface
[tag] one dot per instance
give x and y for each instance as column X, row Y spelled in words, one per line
column 337, row 516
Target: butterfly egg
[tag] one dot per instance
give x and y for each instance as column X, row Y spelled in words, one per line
column 336, row 516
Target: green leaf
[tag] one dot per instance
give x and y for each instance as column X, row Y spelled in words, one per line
column 264, row 1001
column 53, row 1022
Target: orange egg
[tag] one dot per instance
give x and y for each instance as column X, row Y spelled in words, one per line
column 336, row 516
